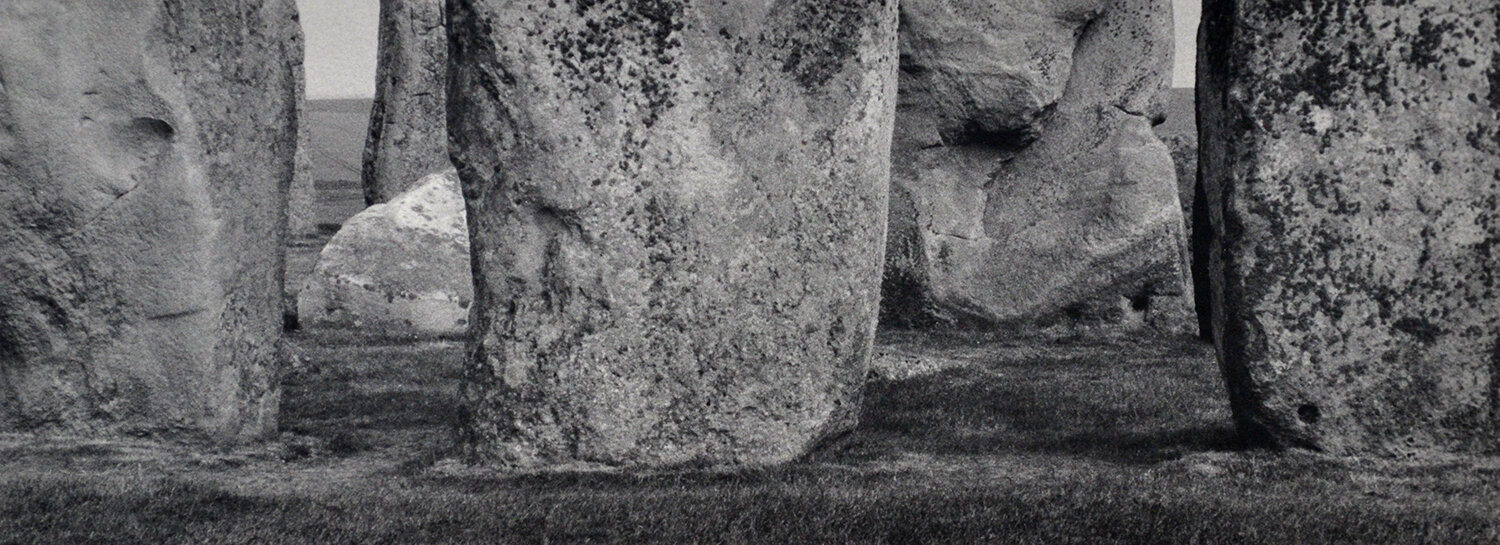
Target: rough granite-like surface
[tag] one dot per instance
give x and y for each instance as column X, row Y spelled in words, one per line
column 1351, row 160
column 301, row 207
column 301, row 212
column 397, row 267
column 677, row 211
column 408, row 136
column 1195, row 219
column 1184, row 150
column 146, row 148
column 1028, row 186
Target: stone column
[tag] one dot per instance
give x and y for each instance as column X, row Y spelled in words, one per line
column 145, row 152
column 677, row 215
column 1029, row 189
column 1351, row 161
column 408, row 123
column 301, row 214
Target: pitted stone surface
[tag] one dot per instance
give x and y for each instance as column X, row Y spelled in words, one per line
column 397, row 267
column 1351, row 153
column 677, row 215
column 1028, row 187
column 408, row 122
column 146, row 148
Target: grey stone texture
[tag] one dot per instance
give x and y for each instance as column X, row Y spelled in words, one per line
column 1195, row 218
column 301, row 208
column 400, row 267
column 301, row 212
column 677, row 217
column 145, row 152
column 1351, row 164
column 1185, row 160
column 1028, row 187
column 408, row 136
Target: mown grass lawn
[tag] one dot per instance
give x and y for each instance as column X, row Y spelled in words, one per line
column 964, row 439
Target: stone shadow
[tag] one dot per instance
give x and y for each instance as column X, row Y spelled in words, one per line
column 1128, row 402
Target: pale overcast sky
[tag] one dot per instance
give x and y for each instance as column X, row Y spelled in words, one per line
column 341, row 46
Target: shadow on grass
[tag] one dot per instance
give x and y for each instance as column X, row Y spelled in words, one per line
column 360, row 391
column 1071, row 404
column 1135, row 401
column 1104, row 401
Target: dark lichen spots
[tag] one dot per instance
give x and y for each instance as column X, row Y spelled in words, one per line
column 1493, row 74
column 1495, row 386
column 1427, row 46
column 824, row 35
column 627, row 45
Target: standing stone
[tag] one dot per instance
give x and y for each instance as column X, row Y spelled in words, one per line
column 1195, row 218
column 1351, row 158
column 677, row 217
column 301, row 219
column 145, row 152
column 301, row 214
column 1184, row 150
column 408, row 123
column 400, row 267
column 1028, row 187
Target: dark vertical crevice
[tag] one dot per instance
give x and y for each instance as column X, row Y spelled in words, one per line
column 1236, row 340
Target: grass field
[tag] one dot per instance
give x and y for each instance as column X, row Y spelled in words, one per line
column 964, row 439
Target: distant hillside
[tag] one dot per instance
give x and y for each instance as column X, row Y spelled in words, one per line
column 338, row 137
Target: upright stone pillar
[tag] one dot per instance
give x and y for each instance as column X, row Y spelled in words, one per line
column 301, row 213
column 408, row 123
column 677, row 215
column 1029, row 189
column 1351, row 161
column 145, row 153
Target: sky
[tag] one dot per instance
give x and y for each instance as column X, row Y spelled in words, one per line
column 341, row 45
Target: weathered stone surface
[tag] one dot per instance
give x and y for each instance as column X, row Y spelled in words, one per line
column 408, row 123
column 1028, row 186
column 1351, row 152
column 1185, row 158
column 1195, row 219
column 1200, row 239
column 400, row 267
column 677, row 214
column 145, row 152
column 301, row 218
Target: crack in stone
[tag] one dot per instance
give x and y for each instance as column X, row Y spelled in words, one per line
column 1128, row 111
column 175, row 315
column 105, row 210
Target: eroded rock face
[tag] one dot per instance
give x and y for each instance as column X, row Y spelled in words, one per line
column 1351, row 154
column 1195, row 222
column 145, row 154
column 301, row 218
column 1028, row 186
column 677, row 215
column 408, row 123
column 1185, row 158
column 398, row 267
column 301, row 210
